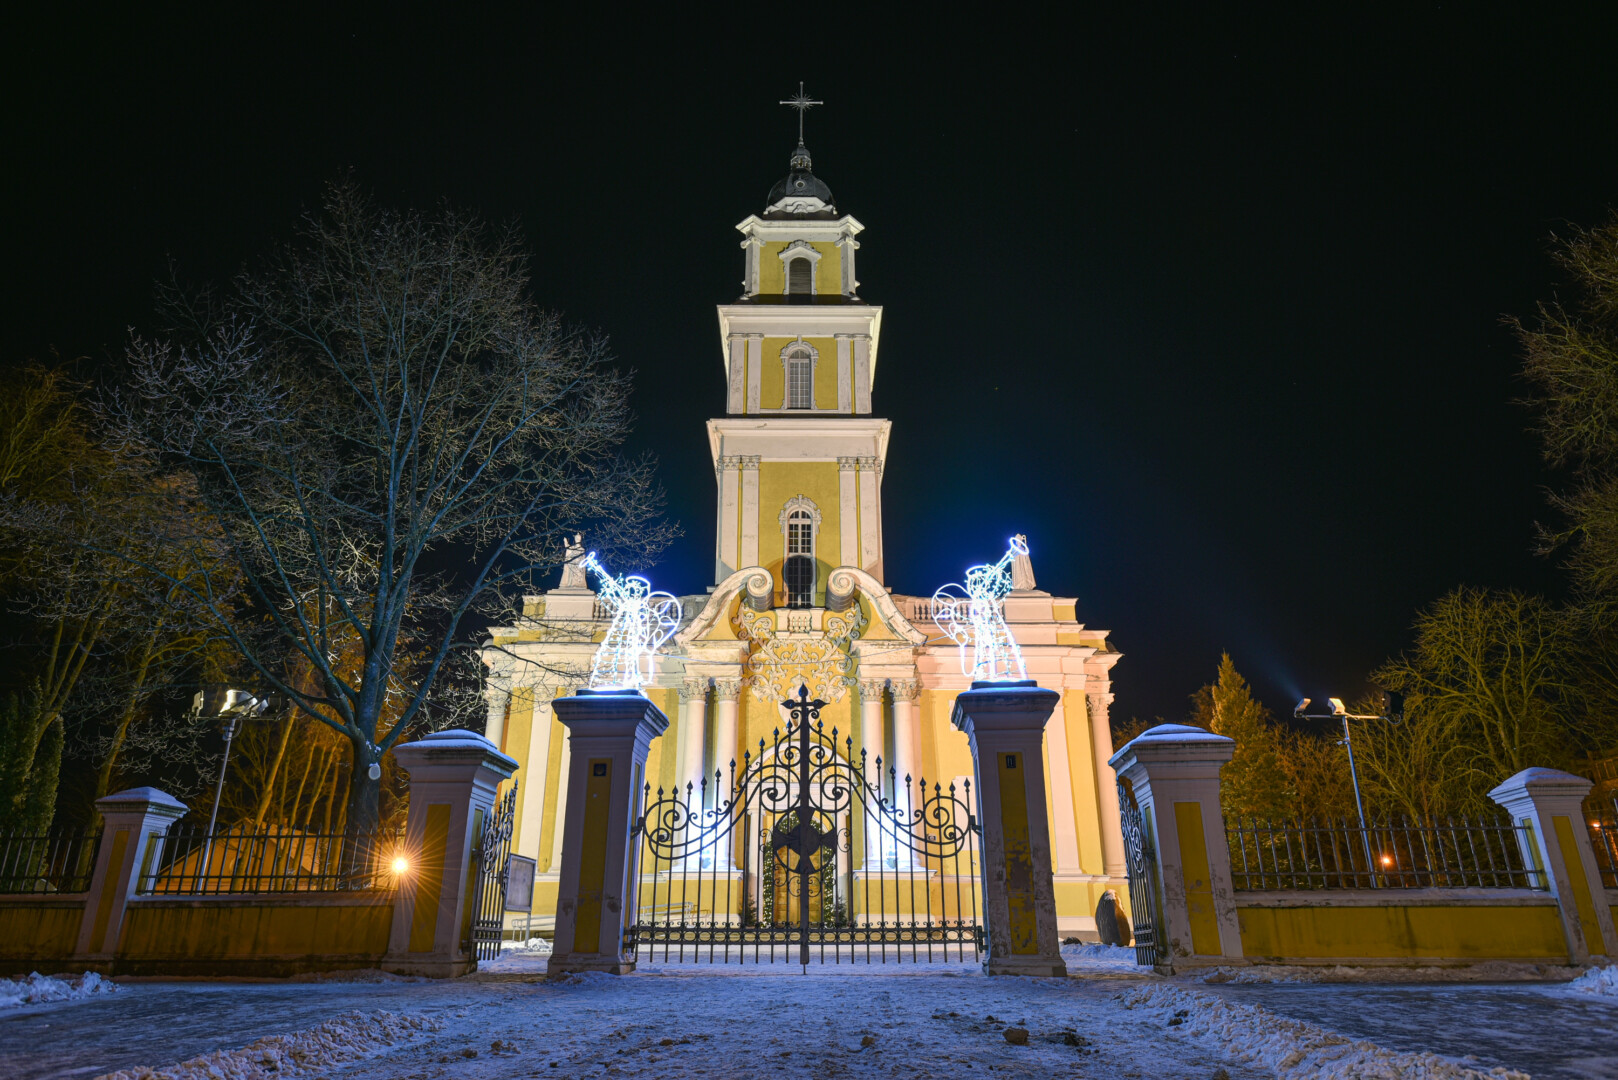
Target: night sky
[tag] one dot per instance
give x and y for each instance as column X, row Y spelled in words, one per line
column 1209, row 307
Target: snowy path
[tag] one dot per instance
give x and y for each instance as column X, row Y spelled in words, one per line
column 1541, row 1029
column 697, row 1020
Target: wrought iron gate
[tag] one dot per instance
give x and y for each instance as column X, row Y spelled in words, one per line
column 490, row 863
column 1141, row 856
column 801, row 857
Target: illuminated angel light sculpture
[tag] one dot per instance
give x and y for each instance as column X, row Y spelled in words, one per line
column 641, row 621
column 974, row 616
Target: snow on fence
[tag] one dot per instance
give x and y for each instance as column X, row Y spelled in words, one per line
column 56, row 862
column 1394, row 854
column 195, row 862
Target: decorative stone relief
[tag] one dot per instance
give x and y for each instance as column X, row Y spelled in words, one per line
column 777, row 664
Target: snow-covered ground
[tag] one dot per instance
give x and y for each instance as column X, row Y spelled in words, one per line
column 1601, row 981
column 684, row 1020
column 1492, row 972
column 36, row 989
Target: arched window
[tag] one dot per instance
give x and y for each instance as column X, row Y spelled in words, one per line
column 800, row 393
column 800, row 277
column 800, row 520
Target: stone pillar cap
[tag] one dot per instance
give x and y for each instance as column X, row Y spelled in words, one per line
column 1548, row 781
column 1165, row 739
column 140, row 796
column 456, row 743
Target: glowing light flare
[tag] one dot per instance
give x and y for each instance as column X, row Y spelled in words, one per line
column 973, row 616
column 641, row 621
column 1387, row 860
column 401, row 866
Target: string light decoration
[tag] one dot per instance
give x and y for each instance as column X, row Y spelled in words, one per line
column 641, row 621
column 974, row 616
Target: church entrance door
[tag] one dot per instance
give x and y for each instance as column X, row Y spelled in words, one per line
column 804, row 855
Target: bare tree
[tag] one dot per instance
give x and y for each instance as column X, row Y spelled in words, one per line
column 392, row 439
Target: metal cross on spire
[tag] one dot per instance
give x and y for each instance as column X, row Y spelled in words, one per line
column 803, row 103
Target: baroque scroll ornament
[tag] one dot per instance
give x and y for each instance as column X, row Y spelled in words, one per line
column 974, row 616
column 779, row 664
column 641, row 621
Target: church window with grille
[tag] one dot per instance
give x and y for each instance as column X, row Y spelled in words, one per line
column 800, row 277
column 800, row 376
column 798, row 571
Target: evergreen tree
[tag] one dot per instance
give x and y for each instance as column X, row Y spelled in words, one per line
column 1254, row 782
column 29, row 767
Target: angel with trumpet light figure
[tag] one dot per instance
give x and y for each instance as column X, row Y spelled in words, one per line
column 641, row 621
column 973, row 616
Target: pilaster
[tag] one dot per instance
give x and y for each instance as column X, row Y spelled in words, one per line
column 612, row 734
column 749, row 478
column 1112, row 829
column 755, row 371
column 728, row 540
column 870, row 517
column 862, row 373
column 1549, row 803
column 454, row 776
column 845, row 373
column 1006, row 725
column 1173, row 771
column 133, row 826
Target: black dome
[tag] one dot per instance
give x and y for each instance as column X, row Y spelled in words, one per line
column 801, row 182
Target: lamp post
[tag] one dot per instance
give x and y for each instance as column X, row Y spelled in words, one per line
column 1392, row 709
column 232, row 706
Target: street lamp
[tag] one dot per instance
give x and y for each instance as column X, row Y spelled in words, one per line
column 218, row 702
column 1392, row 709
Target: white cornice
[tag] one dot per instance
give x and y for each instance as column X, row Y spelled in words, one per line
column 794, row 438
column 806, row 228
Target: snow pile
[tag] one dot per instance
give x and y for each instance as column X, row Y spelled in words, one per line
column 1092, row 958
column 534, row 946
column 350, row 1037
column 37, row 989
column 1291, row 1048
column 1491, row 971
column 1602, row 981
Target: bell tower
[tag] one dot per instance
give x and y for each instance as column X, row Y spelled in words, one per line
column 798, row 456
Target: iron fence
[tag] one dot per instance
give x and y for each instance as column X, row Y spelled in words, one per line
column 55, row 862
column 1604, row 838
column 1395, row 854
column 193, row 862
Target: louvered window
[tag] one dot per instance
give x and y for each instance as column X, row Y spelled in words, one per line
column 800, row 276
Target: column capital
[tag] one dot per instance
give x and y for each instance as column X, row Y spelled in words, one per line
column 693, row 686
column 749, row 462
column 907, row 690
column 728, row 689
column 871, row 689
column 847, row 464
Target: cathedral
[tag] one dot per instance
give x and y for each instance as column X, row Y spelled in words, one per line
column 799, row 597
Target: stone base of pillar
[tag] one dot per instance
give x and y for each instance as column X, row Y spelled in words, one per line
column 1025, row 965
column 570, row 963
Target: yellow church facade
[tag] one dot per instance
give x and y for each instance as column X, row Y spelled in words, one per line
column 799, row 597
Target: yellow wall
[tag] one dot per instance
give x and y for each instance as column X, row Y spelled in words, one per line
column 828, row 272
column 37, row 930
column 1395, row 933
column 779, row 481
column 772, row 377
column 241, row 928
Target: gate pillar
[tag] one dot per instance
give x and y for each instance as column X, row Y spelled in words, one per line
column 611, row 732
column 1005, row 722
column 133, row 825
column 454, row 776
column 1173, row 771
column 1550, row 804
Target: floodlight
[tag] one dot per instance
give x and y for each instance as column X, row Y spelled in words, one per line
column 1337, row 706
column 1393, row 705
column 1297, row 710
